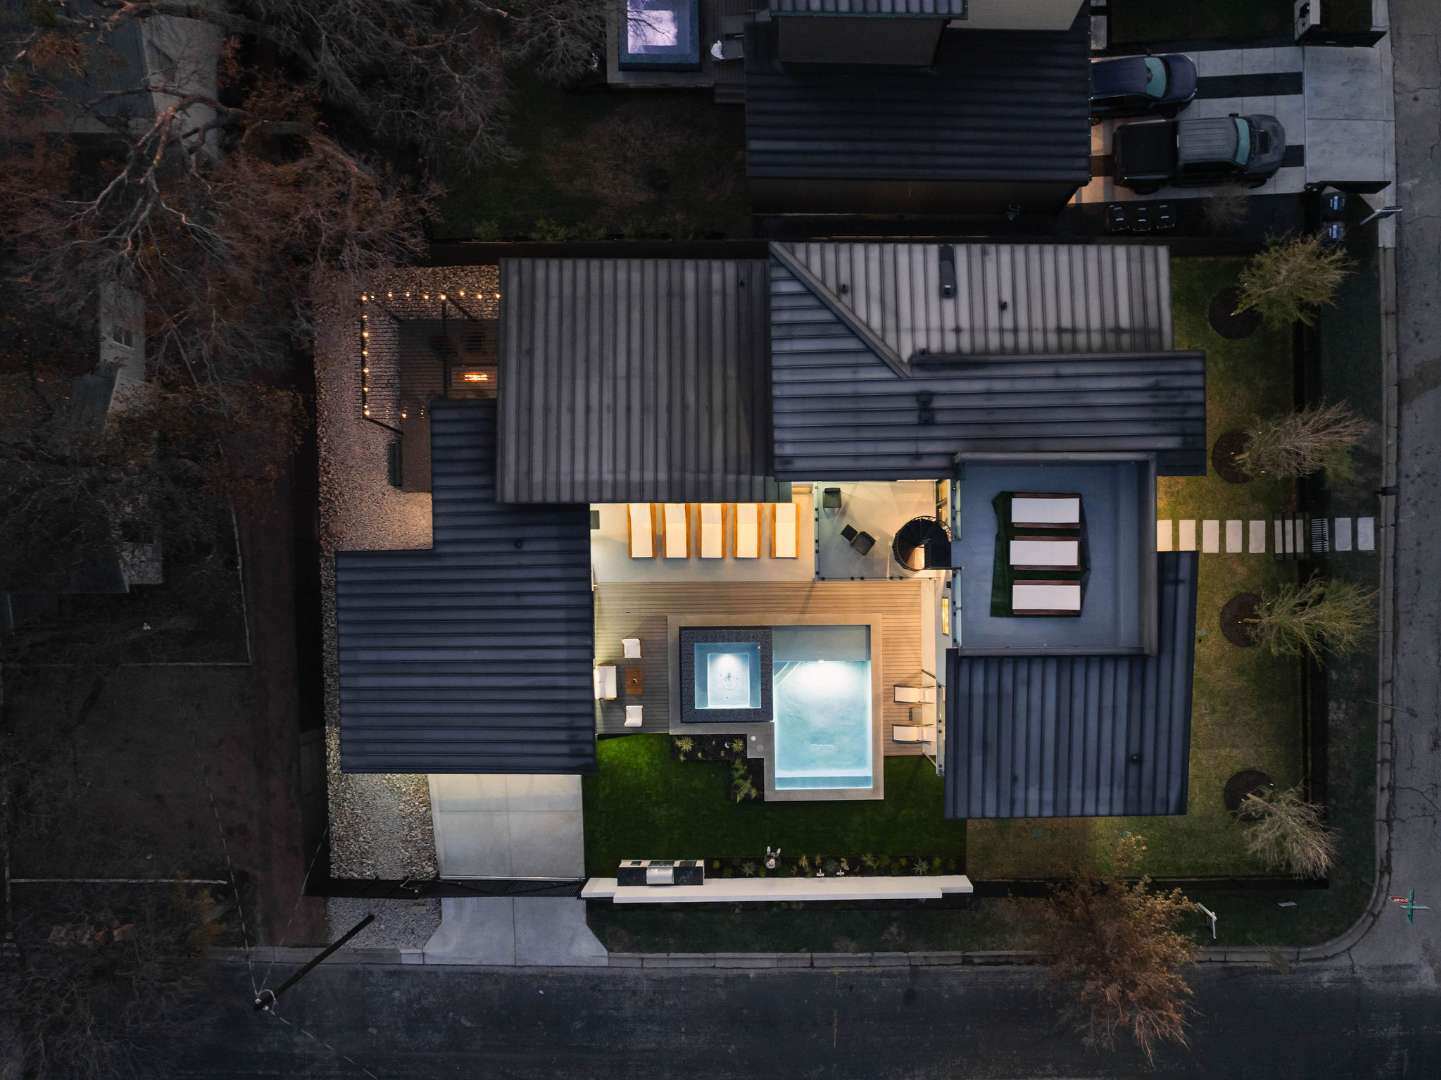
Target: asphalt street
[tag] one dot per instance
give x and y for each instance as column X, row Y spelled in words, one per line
column 505, row 1024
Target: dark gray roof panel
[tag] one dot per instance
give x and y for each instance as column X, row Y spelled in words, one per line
column 948, row 9
column 1000, row 105
column 635, row 380
column 474, row 656
column 1006, row 299
column 840, row 412
column 1076, row 736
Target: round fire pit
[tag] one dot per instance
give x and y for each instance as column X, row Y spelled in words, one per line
column 1246, row 782
column 1223, row 457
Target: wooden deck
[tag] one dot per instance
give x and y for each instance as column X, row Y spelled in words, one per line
column 627, row 610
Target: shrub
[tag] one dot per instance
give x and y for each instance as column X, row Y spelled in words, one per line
column 1288, row 833
column 1291, row 279
column 1304, row 442
column 1116, row 945
column 1317, row 617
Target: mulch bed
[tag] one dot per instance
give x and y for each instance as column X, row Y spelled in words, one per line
column 1244, row 783
column 1236, row 618
column 1226, row 322
column 1224, row 454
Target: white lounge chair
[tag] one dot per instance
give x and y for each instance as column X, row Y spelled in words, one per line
column 1043, row 553
column 712, row 531
column 632, row 716
column 912, row 733
column 785, row 530
column 605, row 682
column 748, row 531
column 1046, row 597
column 1035, row 510
column 911, row 695
column 676, row 538
column 630, row 648
column 640, row 519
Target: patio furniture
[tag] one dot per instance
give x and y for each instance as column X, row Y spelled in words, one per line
column 831, row 498
column 748, row 531
column 712, row 531
column 1045, row 510
column 640, row 529
column 1045, row 553
column 785, row 529
column 1046, row 598
column 634, row 681
column 849, row 533
column 605, row 682
column 909, row 733
column 630, row 648
column 863, row 543
column 911, row 695
column 675, row 534
column 633, row 716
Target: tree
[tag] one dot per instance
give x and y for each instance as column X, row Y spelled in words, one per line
column 1287, row 832
column 1320, row 616
column 1291, row 279
column 1115, row 945
column 1304, row 442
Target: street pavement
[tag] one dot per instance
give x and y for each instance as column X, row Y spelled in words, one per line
column 421, row 1023
column 1415, row 856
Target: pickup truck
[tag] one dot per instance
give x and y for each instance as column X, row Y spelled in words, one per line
column 1213, row 150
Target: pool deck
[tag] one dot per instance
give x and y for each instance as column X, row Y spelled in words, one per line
column 649, row 612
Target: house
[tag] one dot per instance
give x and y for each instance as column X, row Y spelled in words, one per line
column 949, row 107
column 842, row 502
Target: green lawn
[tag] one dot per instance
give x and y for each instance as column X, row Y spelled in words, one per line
column 642, row 803
column 594, row 164
column 1138, row 22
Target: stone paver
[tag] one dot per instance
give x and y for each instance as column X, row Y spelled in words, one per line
column 1210, row 537
column 1187, row 541
column 1233, row 538
column 1257, row 544
column 1366, row 534
column 1343, row 534
column 1163, row 534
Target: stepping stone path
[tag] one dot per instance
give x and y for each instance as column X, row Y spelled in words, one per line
column 1287, row 536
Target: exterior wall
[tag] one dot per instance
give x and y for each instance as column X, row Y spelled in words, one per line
column 1020, row 15
column 844, row 39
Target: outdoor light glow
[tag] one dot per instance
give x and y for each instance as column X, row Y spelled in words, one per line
column 475, row 376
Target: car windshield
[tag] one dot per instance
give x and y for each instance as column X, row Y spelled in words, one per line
column 1243, row 140
column 1155, row 77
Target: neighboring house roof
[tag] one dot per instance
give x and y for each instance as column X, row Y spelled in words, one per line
column 949, row 9
column 999, row 105
column 1076, row 736
column 635, row 380
column 1005, row 298
column 843, row 410
column 476, row 655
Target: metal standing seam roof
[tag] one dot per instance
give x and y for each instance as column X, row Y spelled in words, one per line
column 841, row 411
column 1007, row 298
column 947, row 9
column 474, row 656
column 1001, row 105
column 1076, row 736
column 635, row 380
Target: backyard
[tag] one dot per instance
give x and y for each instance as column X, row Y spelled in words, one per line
column 1246, row 714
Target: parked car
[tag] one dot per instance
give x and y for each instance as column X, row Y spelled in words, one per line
column 1142, row 85
column 1187, row 153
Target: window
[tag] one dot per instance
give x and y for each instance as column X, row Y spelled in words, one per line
column 661, row 34
column 1155, row 77
column 1243, row 140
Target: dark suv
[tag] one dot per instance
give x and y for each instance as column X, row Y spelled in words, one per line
column 1142, row 85
column 1188, row 153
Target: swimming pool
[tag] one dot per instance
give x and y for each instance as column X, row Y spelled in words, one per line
column 821, row 696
